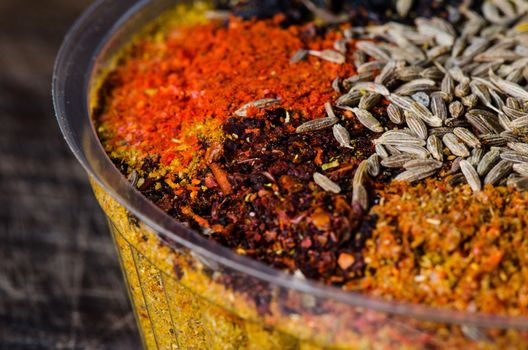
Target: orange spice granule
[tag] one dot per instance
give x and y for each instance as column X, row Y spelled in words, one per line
column 168, row 95
column 446, row 246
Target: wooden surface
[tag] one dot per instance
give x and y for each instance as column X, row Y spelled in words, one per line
column 60, row 284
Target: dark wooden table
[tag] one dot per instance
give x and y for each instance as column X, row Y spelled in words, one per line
column 60, row 283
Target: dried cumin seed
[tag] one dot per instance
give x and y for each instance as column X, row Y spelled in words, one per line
column 493, row 140
column 513, row 103
column 425, row 114
column 476, row 156
column 359, row 57
column 521, row 168
column 462, row 89
column 471, row 175
column 403, row 7
column 431, row 27
column 412, row 85
column 349, row 82
column 443, row 95
column 477, row 46
column 457, row 73
column 482, row 123
column 508, row 87
column 520, row 183
column 520, row 122
column 336, row 85
column 329, row 110
column 325, row 183
column 505, row 121
column 498, row 172
column 371, row 87
column 329, row 55
column 456, row 122
column 373, row 50
column 488, row 161
column 416, row 125
column 340, row 45
column 448, row 86
column 381, row 151
column 470, row 101
column 438, row 106
column 399, row 138
column 514, row 113
column 401, row 101
column 415, row 174
column 434, row 145
column 418, row 151
column 488, row 117
column 492, row 55
column 396, row 161
column 455, row 166
column 316, row 124
column 369, row 100
column 467, row 137
column 520, row 147
column 516, row 76
column 360, row 176
column 372, row 66
column 387, row 71
column 341, row 135
column 509, row 136
column 481, row 70
column 436, row 52
column 458, row 46
column 373, row 165
column 514, row 157
column 351, row 98
column 262, row 103
column 441, row 131
column 456, row 109
column 367, row 120
column 482, row 92
column 497, row 100
column 472, row 26
column 412, row 88
column 395, row 114
column 298, row 56
column 392, row 150
column 360, row 196
column 416, row 163
column 432, row 73
column 504, row 70
column 455, row 145
column 408, row 73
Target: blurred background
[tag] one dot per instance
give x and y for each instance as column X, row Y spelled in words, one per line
column 60, row 284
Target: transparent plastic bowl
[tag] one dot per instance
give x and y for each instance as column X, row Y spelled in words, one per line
column 190, row 292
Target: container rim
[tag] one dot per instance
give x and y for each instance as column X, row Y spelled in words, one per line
column 72, row 76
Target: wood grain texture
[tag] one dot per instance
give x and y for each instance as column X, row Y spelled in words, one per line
column 60, row 283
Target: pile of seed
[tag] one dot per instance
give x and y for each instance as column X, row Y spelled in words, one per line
column 457, row 94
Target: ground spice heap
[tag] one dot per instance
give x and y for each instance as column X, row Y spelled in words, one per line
column 442, row 245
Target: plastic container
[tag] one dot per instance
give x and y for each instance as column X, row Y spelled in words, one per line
column 189, row 292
